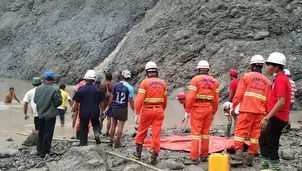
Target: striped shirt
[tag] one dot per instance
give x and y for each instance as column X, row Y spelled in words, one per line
column 293, row 90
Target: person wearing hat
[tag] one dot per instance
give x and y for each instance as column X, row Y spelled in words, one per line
column 122, row 93
column 88, row 100
column 47, row 99
column 29, row 99
column 233, row 84
column 227, row 105
column 278, row 112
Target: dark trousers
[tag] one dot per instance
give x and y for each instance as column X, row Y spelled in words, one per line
column 269, row 138
column 62, row 115
column 46, row 129
column 84, row 129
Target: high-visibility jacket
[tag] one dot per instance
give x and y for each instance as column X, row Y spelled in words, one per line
column 252, row 92
column 152, row 91
column 203, row 87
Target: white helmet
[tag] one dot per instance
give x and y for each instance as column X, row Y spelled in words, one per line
column 203, row 64
column 276, row 58
column 287, row 72
column 257, row 59
column 150, row 65
column 90, row 75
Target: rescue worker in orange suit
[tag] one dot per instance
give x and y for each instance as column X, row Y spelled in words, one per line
column 202, row 102
column 151, row 102
column 252, row 94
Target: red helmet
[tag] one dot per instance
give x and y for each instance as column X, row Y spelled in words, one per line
column 181, row 95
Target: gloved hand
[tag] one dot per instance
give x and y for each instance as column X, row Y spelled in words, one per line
column 187, row 116
column 136, row 117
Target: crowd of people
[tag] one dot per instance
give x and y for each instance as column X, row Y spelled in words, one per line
column 260, row 109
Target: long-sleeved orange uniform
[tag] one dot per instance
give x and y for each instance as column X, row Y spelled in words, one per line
column 151, row 101
column 202, row 101
column 252, row 94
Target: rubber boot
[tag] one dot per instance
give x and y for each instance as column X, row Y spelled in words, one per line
column 264, row 162
column 249, row 160
column 138, row 154
column 275, row 165
column 203, row 159
column 78, row 135
column 153, row 158
column 192, row 162
column 238, row 156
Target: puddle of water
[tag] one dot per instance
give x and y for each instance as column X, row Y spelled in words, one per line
column 12, row 117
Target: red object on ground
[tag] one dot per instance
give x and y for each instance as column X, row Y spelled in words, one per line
column 183, row 143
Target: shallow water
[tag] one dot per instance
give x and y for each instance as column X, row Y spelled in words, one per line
column 12, row 117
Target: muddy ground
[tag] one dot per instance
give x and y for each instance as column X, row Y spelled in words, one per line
column 66, row 155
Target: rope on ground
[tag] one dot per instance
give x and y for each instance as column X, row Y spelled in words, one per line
column 136, row 161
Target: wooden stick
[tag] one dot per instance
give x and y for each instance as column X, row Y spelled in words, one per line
column 136, row 161
column 18, row 133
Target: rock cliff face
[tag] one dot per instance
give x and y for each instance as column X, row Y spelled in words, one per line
column 178, row 33
column 71, row 36
column 67, row 37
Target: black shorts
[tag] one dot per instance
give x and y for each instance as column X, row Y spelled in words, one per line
column 36, row 122
column 120, row 114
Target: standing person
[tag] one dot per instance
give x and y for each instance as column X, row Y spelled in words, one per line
column 89, row 101
column 107, row 88
column 232, row 90
column 63, row 108
column 278, row 112
column 252, row 94
column 122, row 93
column 47, row 99
column 29, row 98
column 151, row 102
column 181, row 97
column 10, row 96
column 293, row 93
column 76, row 119
column 202, row 100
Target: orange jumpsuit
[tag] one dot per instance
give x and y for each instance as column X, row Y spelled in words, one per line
column 151, row 101
column 202, row 102
column 252, row 92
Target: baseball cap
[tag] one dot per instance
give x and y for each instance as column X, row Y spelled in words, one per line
column 181, row 95
column 49, row 75
column 233, row 72
column 36, row 80
column 126, row 74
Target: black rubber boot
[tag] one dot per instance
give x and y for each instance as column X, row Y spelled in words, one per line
column 249, row 160
column 78, row 135
column 153, row 158
column 138, row 154
column 238, row 156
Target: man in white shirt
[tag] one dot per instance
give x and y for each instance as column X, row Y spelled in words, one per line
column 29, row 98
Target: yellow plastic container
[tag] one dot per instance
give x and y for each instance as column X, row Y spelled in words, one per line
column 219, row 162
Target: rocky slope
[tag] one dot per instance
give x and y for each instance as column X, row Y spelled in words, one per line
column 178, row 33
column 67, row 37
column 71, row 36
column 67, row 155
